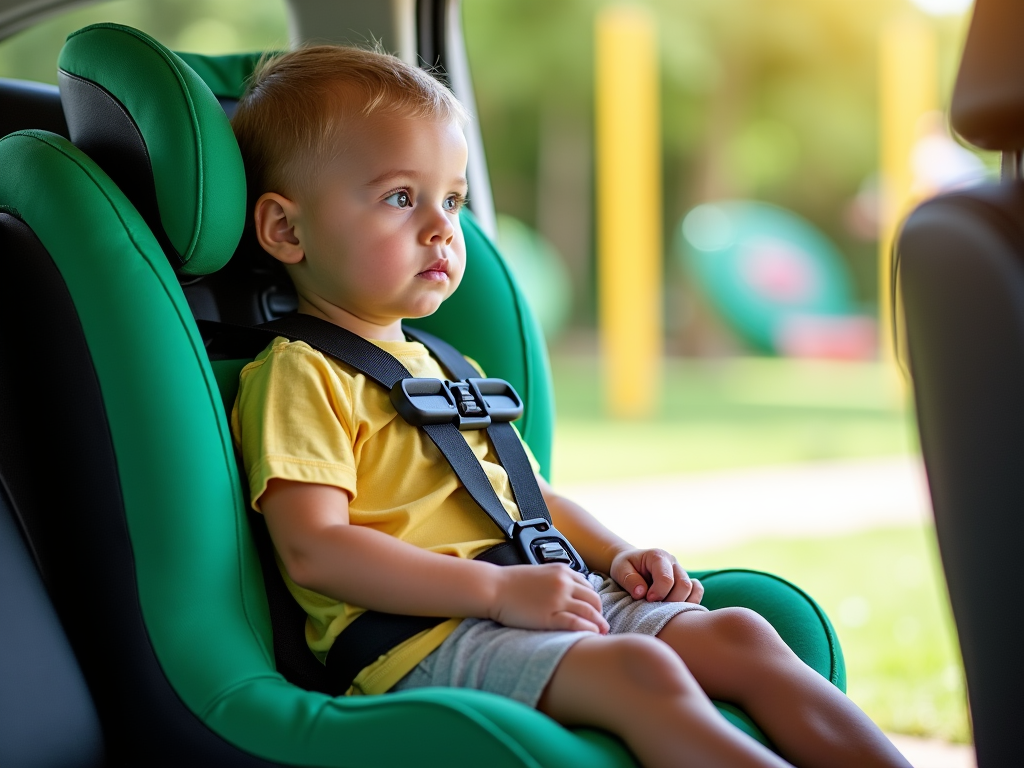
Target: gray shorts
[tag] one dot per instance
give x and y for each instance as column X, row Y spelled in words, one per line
column 518, row 663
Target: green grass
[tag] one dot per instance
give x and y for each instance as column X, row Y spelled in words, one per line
column 735, row 412
column 885, row 595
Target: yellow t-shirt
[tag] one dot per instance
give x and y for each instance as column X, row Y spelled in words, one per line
column 302, row 416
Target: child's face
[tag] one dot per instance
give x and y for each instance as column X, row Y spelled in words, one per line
column 380, row 232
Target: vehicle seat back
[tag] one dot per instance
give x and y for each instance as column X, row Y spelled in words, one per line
column 960, row 264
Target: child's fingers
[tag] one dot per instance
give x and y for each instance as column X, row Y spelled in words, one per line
column 632, row 582
column 588, row 613
column 697, row 593
column 682, row 591
column 662, row 578
column 571, row 622
column 588, row 595
column 580, row 578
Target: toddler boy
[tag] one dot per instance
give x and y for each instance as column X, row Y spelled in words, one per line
column 357, row 165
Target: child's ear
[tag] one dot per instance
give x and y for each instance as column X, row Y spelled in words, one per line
column 275, row 217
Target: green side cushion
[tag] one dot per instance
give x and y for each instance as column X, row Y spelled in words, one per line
column 488, row 319
column 226, row 75
column 795, row 615
column 197, row 168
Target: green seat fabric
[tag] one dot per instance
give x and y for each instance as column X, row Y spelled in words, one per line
column 225, row 76
column 197, row 574
column 795, row 615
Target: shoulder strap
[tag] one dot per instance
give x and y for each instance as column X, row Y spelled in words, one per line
column 374, row 633
column 507, row 445
column 453, row 360
column 386, row 370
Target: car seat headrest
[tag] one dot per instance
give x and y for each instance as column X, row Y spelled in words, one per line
column 225, row 75
column 157, row 130
column 988, row 100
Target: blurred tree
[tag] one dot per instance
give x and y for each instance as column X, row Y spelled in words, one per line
column 767, row 99
column 201, row 26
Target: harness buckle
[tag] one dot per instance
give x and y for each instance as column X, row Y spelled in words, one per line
column 540, row 542
column 468, row 404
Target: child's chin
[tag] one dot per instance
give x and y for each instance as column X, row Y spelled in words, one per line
column 427, row 305
column 423, row 310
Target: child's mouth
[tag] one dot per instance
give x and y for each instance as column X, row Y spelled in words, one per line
column 435, row 272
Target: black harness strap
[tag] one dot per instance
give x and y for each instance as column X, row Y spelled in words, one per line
column 372, row 361
column 373, row 633
column 507, row 445
column 287, row 620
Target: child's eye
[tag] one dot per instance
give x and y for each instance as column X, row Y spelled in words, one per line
column 453, row 203
column 399, row 199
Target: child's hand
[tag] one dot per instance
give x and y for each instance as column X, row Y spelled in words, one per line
column 547, row 597
column 656, row 574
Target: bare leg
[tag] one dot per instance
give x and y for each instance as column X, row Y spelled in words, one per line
column 737, row 656
column 635, row 687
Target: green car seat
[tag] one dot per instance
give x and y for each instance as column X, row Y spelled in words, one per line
column 126, row 477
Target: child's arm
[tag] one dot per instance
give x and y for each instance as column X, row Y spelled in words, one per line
column 651, row 572
column 322, row 552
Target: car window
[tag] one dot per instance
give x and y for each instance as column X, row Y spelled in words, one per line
column 201, row 26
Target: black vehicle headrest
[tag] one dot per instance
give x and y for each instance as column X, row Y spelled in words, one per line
column 988, row 100
column 27, row 104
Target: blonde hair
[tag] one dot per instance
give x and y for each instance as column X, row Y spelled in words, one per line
column 289, row 120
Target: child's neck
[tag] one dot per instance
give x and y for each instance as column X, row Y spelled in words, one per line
column 350, row 322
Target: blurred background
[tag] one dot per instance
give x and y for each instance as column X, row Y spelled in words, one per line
column 777, row 432
column 782, row 436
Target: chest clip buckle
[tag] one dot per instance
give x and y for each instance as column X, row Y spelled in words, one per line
column 540, row 542
column 468, row 404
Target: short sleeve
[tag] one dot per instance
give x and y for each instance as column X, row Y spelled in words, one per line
column 292, row 420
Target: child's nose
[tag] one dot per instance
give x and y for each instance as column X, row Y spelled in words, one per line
column 439, row 229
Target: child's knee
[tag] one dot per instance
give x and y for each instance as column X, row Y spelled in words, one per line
column 648, row 665
column 745, row 633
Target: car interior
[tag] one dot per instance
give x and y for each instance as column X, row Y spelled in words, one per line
column 960, row 262
column 140, row 623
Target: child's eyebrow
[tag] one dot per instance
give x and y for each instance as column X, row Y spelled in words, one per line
column 414, row 175
column 389, row 175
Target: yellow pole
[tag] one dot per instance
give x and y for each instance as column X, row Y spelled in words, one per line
column 629, row 248
column 908, row 89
